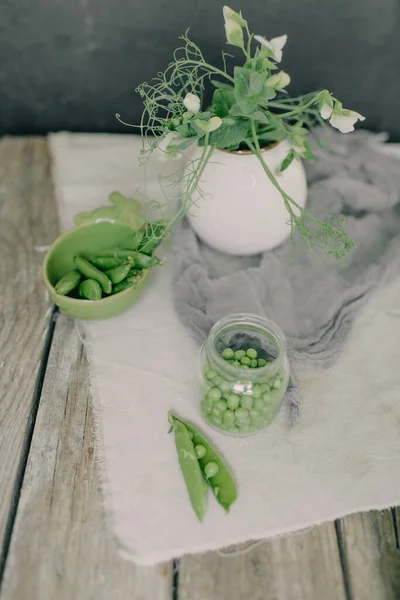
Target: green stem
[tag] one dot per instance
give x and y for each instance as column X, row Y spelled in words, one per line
column 211, row 68
column 255, row 147
column 298, row 109
column 203, row 161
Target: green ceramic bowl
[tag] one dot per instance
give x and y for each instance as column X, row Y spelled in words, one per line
column 87, row 240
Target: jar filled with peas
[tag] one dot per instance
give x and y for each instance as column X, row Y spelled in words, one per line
column 242, row 374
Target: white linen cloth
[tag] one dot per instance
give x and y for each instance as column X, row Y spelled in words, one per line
column 341, row 458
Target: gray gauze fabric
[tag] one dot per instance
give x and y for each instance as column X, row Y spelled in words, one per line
column 314, row 301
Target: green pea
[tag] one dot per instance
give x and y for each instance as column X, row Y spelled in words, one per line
column 90, row 289
column 247, row 402
column 221, row 405
column 210, row 469
column 121, row 286
column 227, row 353
column 214, row 394
column 245, row 367
column 228, row 418
column 241, row 414
column 245, row 360
column 190, row 467
column 233, row 401
column 255, row 414
column 216, row 420
column 256, row 391
column 261, row 362
column 225, row 386
column 258, row 404
column 253, row 364
column 267, row 398
column 251, row 353
column 106, row 262
column 239, row 354
column 118, row 274
column 68, row 283
column 199, row 449
column 211, row 374
column 236, row 363
column 92, row 272
column 217, row 381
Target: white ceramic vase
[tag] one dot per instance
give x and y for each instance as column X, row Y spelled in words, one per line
column 238, row 210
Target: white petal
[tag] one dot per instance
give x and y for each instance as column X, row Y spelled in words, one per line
column 262, row 40
column 228, row 13
column 357, row 115
column 192, row 102
column 279, row 80
column 234, row 33
column 344, row 124
column 277, row 45
column 214, row 123
column 326, row 111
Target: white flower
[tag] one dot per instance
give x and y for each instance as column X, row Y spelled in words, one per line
column 192, row 102
column 279, row 80
column 233, row 27
column 166, row 148
column 326, row 110
column 345, row 120
column 275, row 45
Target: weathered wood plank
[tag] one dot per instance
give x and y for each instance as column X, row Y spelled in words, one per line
column 371, row 555
column 303, row 566
column 61, row 547
column 28, row 219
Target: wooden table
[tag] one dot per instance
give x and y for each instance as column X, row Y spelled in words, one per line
column 53, row 540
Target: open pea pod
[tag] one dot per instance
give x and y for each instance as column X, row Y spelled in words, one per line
column 222, row 483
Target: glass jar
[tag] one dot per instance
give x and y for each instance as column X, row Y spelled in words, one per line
column 242, row 374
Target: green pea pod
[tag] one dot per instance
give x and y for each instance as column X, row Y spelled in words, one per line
column 190, row 467
column 119, row 273
column 142, row 261
column 122, row 285
column 90, row 289
column 153, row 236
column 106, row 262
column 68, row 283
column 91, row 272
column 129, row 246
column 222, row 483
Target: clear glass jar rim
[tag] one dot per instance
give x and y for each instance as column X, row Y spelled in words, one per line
column 252, row 320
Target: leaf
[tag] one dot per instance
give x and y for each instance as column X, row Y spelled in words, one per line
column 287, row 161
column 308, row 154
column 229, row 135
column 257, row 81
column 223, row 100
column 242, row 83
column 185, row 143
column 271, row 136
column 267, row 93
column 184, row 130
column 221, row 85
column 258, row 115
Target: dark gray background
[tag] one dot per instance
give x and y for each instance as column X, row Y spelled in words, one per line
column 72, row 64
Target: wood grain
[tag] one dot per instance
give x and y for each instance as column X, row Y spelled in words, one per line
column 61, row 547
column 371, row 555
column 28, row 219
column 303, row 566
